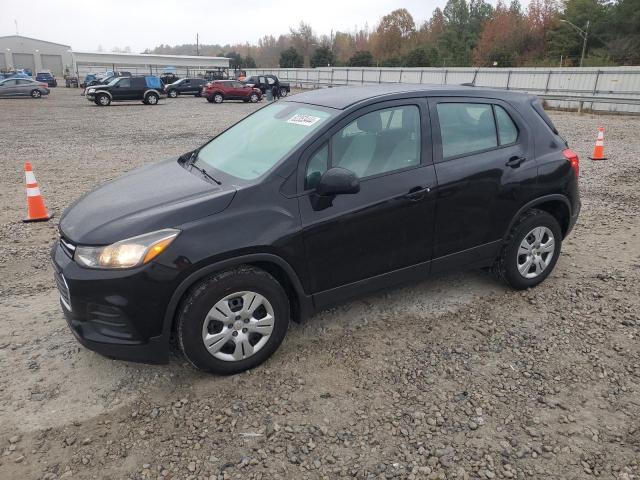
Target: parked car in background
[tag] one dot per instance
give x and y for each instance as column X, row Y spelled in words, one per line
column 267, row 82
column 88, row 78
column 309, row 202
column 185, row 86
column 71, row 81
column 148, row 88
column 23, row 87
column 219, row 73
column 168, row 78
column 47, row 77
column 221, row 90
column 107, row 77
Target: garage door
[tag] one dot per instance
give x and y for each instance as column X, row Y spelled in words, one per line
column 53, row 63
column 24, row 60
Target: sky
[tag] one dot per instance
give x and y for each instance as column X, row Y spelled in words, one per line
column 140, row 24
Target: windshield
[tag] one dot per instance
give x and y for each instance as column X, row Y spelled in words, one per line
column 113, row 82
column 254, row 145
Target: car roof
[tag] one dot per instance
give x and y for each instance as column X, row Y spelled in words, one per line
column 343, row 97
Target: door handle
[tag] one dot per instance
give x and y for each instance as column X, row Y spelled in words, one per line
column 417, row 193
column 514, row 162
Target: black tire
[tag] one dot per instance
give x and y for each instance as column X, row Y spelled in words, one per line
column 151, row 98
column 283, row 92
column 218, row 98
column 198, row 94
column 506, row 265
column 172, row 93
column 210, row 99
column 254, row 98
column 35, row 93
column 103, row 100
column 201, row 299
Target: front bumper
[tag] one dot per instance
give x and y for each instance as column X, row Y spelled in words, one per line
column 119, row 314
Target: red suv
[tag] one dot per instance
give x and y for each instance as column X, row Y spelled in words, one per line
column 220, row 90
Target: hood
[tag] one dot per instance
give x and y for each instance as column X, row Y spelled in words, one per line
column 150, row 198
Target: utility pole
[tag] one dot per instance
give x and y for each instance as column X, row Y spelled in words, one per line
column 584, row 34
column 197, row 45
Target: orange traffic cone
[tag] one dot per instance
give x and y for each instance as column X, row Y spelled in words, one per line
column 598, row 150
column 36, row 211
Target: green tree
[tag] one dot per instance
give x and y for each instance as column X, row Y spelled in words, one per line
column 419, row 57
column 361, row 58
column 322, row 57
column 290, row 58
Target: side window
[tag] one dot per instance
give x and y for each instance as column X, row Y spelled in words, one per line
column 318, row 164
column 270, row 80
column 10, row 83
column 466, row 128
column 379, row 142
column 507, row 130
column 139, row 82
column 124, row 83
column 262, row 80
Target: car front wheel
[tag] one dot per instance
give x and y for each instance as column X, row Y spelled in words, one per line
column 233, row 320
column 102, row 99
column 218, row 98
column 254, row 98
column 531, row 250
column 173, row 93
column 36, row 93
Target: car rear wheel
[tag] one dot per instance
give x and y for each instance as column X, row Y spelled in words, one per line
column 173, row 93
column 283, row 92
column 254, row 98
column 218, row 98
column 103, row 100
column 531, row 250
column 233, row 321
column 36, row 93
column 151, row 98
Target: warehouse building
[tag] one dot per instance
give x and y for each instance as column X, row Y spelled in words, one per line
column 36, row 55
column 18, row 52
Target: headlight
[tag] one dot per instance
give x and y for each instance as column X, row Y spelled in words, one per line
column 128, row 253
column 91, row 90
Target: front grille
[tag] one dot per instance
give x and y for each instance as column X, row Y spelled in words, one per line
column 63, row 288
column 67, row 247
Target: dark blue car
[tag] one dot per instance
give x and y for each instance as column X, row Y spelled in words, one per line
column 48, row 78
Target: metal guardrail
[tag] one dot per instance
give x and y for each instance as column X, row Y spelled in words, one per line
column 610, row 89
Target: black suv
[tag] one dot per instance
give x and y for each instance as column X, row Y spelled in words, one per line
column 149, row 89
column 185, row 86
column 267, row 82
column 308, row 202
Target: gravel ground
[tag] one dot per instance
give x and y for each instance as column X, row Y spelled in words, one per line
column 453, row 378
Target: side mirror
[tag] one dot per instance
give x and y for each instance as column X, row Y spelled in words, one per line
column 337, row 181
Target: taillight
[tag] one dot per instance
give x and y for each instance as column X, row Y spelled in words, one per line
column 574, row 161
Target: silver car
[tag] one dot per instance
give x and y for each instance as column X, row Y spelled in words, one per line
column 22, row 87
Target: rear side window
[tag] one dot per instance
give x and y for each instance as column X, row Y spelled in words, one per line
column 507, row 130
column 466, row 128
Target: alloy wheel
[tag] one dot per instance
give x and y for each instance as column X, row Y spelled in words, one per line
column 535, row 252
column 238, row 326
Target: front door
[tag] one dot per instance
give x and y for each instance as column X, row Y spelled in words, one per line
column 9, row 87
column 485, row 167
column 385, row 227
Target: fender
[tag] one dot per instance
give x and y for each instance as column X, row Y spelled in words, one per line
column 306, row 305
column 154, row 90
column 106, row 92
column 537, row 201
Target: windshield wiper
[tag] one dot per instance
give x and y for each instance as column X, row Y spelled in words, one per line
column 192, row 163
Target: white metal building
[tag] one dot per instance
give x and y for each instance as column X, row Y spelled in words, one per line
column 17, row 52
column 92, row 62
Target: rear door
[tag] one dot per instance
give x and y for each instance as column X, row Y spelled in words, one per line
column 385, row 227
column 9, row 87
column 185, row 86
column 24, row 87
column 485, row 165
column 138, row 87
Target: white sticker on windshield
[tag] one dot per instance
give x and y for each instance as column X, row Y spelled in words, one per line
column 304, row 120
